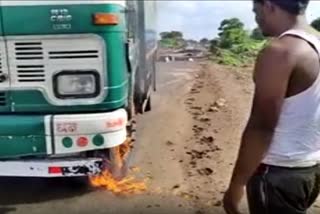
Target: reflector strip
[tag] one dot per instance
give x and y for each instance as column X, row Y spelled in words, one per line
column 67, row 142
column 55, row 170
column 82, row 142
column 98, row 140
column 105, row 19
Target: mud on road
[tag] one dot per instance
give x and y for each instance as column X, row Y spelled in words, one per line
column 219, row 103
column 186, row 149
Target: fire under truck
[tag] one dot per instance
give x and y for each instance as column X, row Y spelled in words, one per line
column 73, row 75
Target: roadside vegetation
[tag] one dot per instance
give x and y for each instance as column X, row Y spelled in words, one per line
column 234, row 45
column 173, row 39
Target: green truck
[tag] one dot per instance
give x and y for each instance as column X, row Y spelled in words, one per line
column 73, row 75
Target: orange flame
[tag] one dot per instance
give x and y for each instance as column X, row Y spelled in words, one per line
column 126, row 186
column 125, row 148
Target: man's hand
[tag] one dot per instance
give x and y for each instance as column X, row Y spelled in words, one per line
column 232, row 199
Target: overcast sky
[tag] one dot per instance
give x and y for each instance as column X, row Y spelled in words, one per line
column 201, row 18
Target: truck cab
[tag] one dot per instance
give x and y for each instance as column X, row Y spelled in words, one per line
column 73, row 75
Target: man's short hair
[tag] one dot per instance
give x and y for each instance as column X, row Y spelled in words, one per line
column 295, row 7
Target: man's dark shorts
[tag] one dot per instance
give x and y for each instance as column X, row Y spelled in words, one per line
column 274, row 190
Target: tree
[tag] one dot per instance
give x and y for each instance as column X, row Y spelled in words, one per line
column 232, row 33
column 257, row 34
column 204, row 41
column 171, row 35
column 316, row 24
column 214, row 45
column 235, row 45
column 172, row 39
column 232, row 37
column 228, row 24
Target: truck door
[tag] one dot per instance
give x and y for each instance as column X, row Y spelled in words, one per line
column 4, row 69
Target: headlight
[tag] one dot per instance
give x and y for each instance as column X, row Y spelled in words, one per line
column 77, row 84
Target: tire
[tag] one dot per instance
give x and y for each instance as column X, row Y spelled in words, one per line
column 155, row 73
column 119, row 168
column 149, row 105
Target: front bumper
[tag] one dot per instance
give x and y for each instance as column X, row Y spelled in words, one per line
column 85, row 132
column 51, row 168
column 59, row 135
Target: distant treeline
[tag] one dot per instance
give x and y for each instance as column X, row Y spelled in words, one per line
column 234, row 45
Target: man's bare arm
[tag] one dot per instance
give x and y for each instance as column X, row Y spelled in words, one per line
column 272, row 74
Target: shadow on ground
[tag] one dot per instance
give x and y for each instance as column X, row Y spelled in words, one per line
column 14, row 191
column 6, row 210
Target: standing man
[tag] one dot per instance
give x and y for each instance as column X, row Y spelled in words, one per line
column 280, row 148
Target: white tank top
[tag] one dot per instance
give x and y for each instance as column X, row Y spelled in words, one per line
column 296, row 141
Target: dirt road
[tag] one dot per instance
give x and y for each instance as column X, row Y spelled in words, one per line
column 168, row 121
column 186, row 149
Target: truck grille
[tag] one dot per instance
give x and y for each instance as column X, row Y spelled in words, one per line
column 27, row 54
column 34, row 60
column 3, row 99
column 3, row 65
column 28, row 50
column 31, row 73
column 81, row 54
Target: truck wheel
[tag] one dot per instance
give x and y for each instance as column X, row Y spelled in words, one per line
column 117, row 166
column 148, row 106
column 131, row 106
column 138, row 93
column 155, row 72
column 120, row 157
